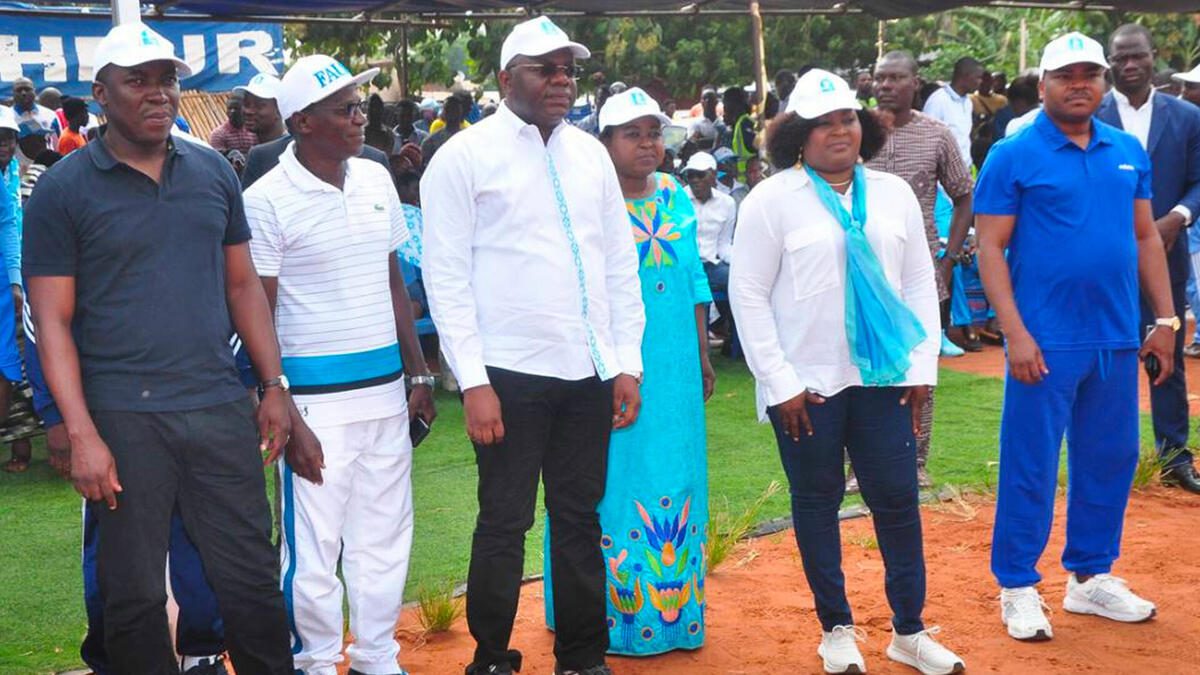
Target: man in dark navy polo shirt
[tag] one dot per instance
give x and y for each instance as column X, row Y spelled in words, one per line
column 138, row 269
column 1069, row 197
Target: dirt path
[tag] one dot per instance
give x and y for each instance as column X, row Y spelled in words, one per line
column 760, row 616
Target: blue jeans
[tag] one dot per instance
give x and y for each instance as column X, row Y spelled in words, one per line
column 876, row 431
column 1092, row 397
column 199, row 631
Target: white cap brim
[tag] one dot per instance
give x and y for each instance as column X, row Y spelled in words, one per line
column 257, row 90
column 1191, row 77
column 666, row 121
column 1064, row 62
column 181, row 66
column 577, row 50
column 811, row 108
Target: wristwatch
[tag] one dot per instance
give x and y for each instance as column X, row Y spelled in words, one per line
column 1172, row 322
column 281, row 382
column 419, row 380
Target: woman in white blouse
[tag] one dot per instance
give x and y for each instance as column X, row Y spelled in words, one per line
column 834, row 298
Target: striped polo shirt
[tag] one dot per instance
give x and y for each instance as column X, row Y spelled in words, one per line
column 330, row 250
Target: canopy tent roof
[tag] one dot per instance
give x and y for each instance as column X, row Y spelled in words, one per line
column 384, row 8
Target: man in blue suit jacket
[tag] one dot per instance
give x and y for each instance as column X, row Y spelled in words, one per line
column 1169, row 129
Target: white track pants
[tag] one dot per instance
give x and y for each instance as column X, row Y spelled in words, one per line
column 363, row 512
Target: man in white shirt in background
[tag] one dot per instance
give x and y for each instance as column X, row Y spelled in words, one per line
column 531, row 272
column 951, row 104
column 716, row 216
column 326, row 226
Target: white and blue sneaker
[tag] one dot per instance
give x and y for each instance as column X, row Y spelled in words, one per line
column 1107, row 596
column 1021, row 610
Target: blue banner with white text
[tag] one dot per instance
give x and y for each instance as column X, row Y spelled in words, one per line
column 57, row 52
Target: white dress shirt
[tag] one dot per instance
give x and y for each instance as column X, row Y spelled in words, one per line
column 500, row 269
column 955, row 112
column 787, row 284
column 715, row 222
column 1137, row 122
column 1021, row 122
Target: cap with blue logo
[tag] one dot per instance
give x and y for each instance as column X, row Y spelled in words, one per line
column 628, row 106
column 536, row 37
column 1070, row 49
column 315, row 78
column 262, row 85
column 820, row 92
column 132, row 44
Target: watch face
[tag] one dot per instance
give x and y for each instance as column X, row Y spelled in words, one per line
column 284, row 384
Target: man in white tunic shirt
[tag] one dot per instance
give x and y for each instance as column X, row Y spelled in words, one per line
column 326, row 227
column 531, row 273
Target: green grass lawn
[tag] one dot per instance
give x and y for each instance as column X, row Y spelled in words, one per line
column 41, row 607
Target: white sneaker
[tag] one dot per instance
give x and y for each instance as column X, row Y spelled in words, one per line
column 1021, row 611
column 922, row 652
column 839, row 651
column 1107, row 596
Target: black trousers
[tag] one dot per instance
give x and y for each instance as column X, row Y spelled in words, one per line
column 207, row 462
column 560, row 430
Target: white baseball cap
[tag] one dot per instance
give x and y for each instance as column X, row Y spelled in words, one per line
column 315, row 78
column 1191, row 77
column 8, row 119
column 1070, row 49
column 701, row 161
column 629, row 105
column 536, row 37
column 820, row 92
column 132, row 44
column 262, row 85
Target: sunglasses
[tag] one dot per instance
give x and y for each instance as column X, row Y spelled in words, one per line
column 347, row 110
column 549, row 70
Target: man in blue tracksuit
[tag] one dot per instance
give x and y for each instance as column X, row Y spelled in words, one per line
column 200, row 635
column 1069, row 197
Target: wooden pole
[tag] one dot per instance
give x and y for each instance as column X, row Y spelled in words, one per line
column 1023, row 60
column 760, row 58
column 403, row 62
column 880, row 43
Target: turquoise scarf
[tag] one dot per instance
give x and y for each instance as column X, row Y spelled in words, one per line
column 881, row 329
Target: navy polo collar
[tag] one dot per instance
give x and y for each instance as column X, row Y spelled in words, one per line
column 105, row 161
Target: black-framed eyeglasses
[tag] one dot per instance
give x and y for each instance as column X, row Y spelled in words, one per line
column 346, row 110
column 549, row 70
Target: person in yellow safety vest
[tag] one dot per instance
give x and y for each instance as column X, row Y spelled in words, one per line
column 741, row 126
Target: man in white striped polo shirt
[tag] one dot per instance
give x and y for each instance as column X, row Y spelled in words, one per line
column 326, row 226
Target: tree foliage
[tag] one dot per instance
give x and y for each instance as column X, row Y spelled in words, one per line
column 675, row 56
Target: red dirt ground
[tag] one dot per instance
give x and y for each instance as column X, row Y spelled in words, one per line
column 761, row 620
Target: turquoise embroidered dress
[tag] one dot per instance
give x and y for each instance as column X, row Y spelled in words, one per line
column 654, row 515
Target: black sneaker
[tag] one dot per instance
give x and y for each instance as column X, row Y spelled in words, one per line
column 213, row 665
column 601, row 669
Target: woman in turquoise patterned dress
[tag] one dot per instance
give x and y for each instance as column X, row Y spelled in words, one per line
column 654, row 514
